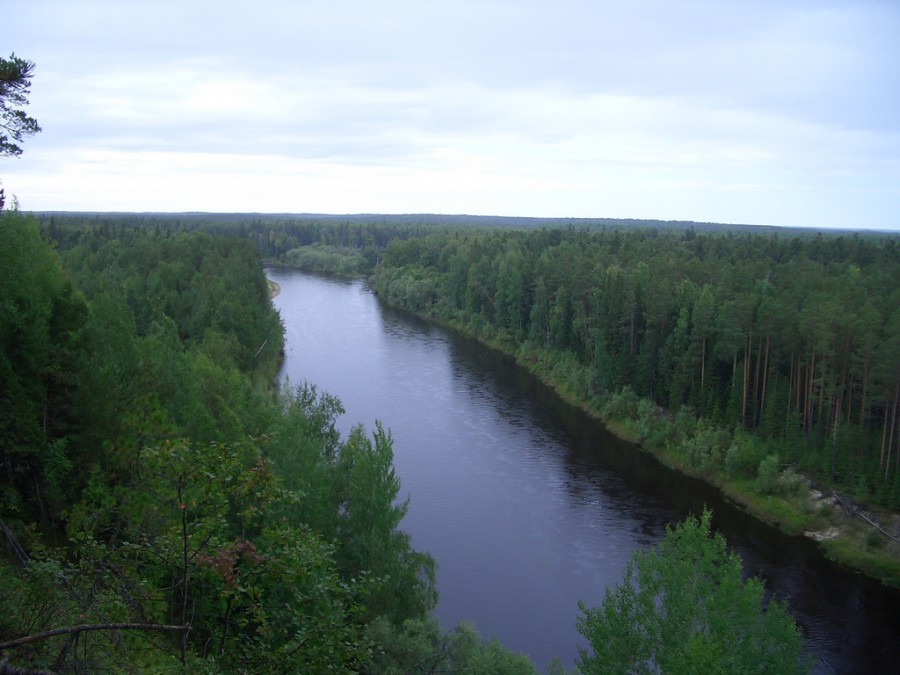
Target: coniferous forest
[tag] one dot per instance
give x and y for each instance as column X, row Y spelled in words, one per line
column 765, row 364
column 793, row 341
column 764, row 360
column 166, row 506
column 784, row 336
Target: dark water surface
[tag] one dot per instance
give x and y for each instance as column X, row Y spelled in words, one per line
column 528, row 505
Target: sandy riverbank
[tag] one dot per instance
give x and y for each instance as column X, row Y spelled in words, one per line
column 274, row 288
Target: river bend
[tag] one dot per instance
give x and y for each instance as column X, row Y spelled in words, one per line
column 527, row 504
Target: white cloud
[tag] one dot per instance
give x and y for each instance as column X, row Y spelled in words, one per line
column 771, row 112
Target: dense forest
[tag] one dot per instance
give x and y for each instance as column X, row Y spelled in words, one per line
column 796, row 341
column 758, row 362
column 164, row 505
column 762, row 359
column 791, row 335
column 767, row 342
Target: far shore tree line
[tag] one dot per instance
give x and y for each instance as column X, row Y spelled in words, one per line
column 790, row 343
column 165, row 507
column 794, row 341
column 762, row 360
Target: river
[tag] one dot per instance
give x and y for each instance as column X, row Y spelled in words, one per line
column 527, row 504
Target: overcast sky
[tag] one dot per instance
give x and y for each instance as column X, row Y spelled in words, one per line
column 782, row 112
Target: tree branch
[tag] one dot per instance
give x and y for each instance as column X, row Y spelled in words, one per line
column 90, row 627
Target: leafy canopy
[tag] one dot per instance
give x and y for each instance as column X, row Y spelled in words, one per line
column 165, row 508
column 684, row 608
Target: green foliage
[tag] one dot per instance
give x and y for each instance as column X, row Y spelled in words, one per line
column 414, row 644
column 622, row 405
column 767, row 475
column 420, row 647
column 212, row 289
column 136, row 379
column 341, row 261
column 15, row 81
column 467, row 652
column 303, row 446
column 368, row 524
column 650, row 420
column 40, row 317
column 141, row 414
column 706, row 447
column 192, row 541
column 349, row 493
column 50, row 593
column 793, row 340
column 684, row 608
column 278, row 605
column 417, row 293
column 744, row 456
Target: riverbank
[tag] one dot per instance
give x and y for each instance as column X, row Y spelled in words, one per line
column 274, row 289
column 863, row 540
column 858, row 538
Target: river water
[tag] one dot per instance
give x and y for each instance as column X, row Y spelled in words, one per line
column 527, row 504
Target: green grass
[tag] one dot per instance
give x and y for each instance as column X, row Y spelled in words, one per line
column 786, row 513
column 881, row 564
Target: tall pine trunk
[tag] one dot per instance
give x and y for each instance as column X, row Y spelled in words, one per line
column 886, row 458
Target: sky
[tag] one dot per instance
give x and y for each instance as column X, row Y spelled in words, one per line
column 771, row 112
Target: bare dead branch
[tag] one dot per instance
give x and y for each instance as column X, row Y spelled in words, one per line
column 69, row 630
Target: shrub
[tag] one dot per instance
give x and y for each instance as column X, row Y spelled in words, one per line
column 790, row 483
column 707, row 447
column 743, row 457
column 767, row 475
column 622, row 405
